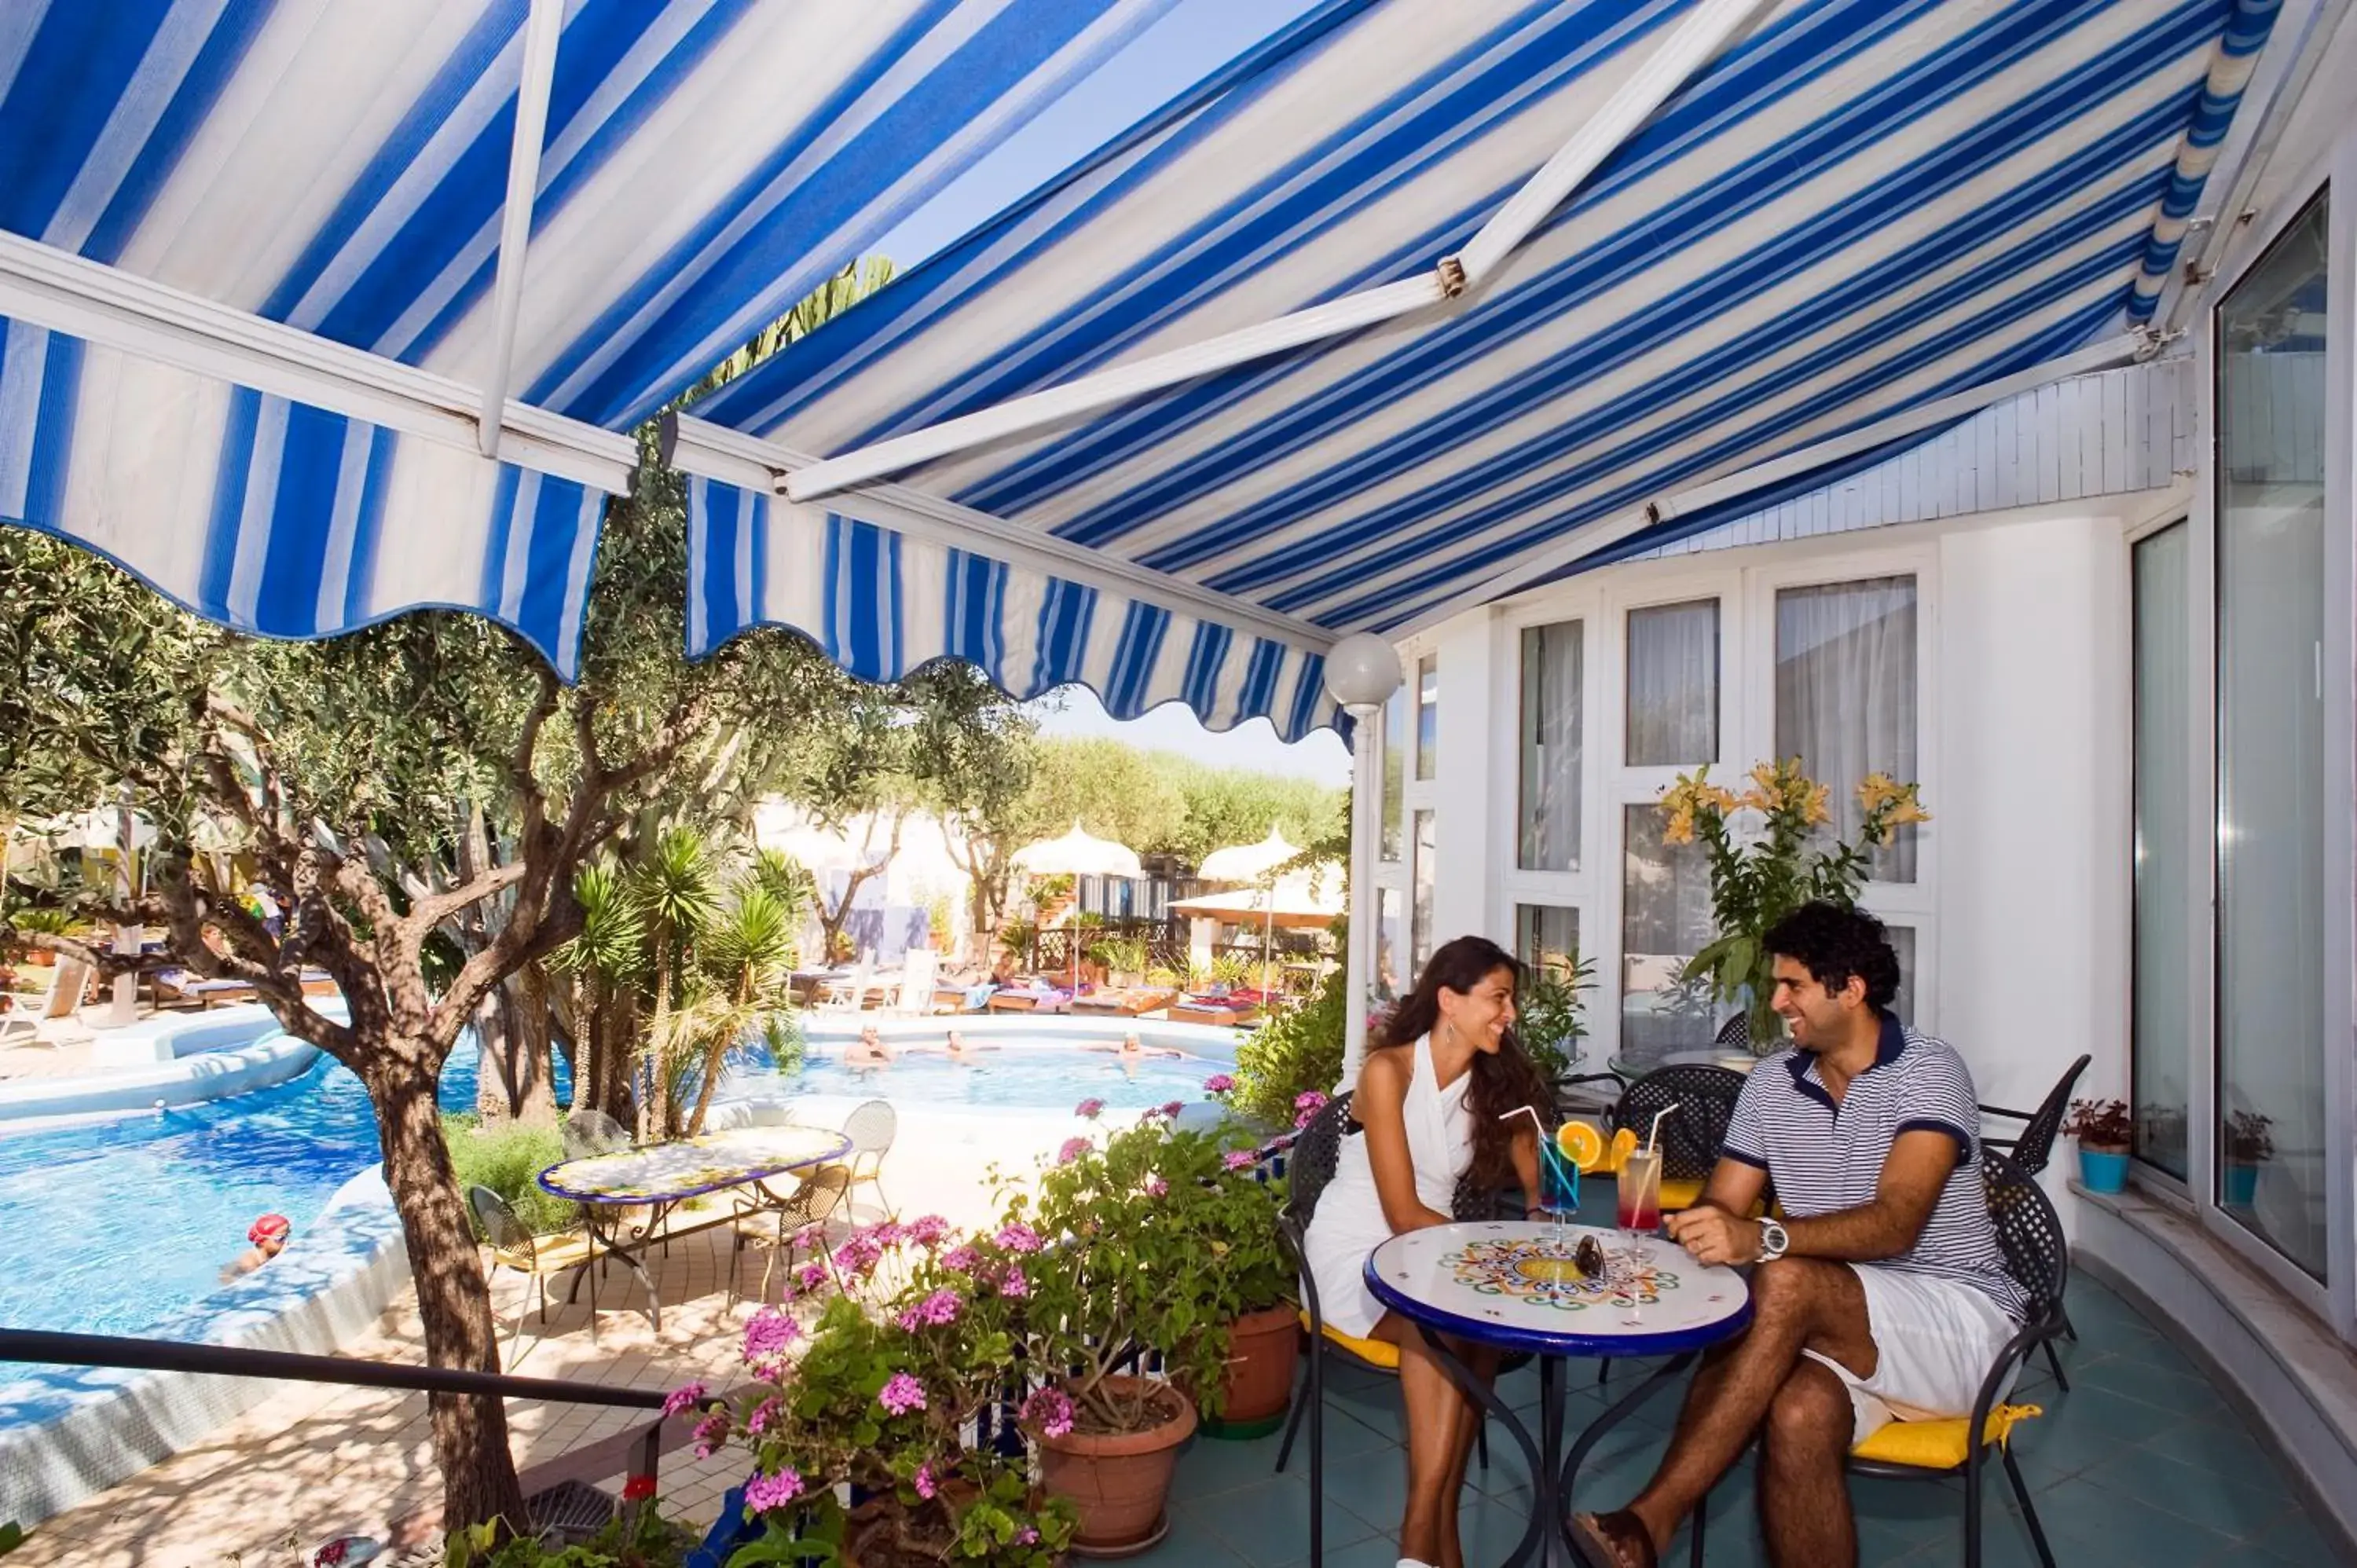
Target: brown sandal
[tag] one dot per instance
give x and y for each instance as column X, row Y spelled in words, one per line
column 1613, row 1539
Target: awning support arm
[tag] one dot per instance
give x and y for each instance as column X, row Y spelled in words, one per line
column 1690, row 45
column 541, row 31
column 44, row 286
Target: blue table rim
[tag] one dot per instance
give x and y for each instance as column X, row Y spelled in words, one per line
column 1607, row 1347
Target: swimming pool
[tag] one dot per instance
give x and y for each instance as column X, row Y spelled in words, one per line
column 1009, row 1072
column 119, row 1227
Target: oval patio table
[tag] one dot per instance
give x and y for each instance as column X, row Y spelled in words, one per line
column 1509, row 1284
column 661, row 1177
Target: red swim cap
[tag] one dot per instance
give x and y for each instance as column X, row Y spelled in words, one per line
column 270, row 1228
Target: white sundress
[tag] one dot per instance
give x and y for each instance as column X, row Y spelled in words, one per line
column 1348, row 1223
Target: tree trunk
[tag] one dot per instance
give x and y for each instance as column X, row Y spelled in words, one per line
column 540, row 1001
column 470, row 1432
column 530, row 1052
column 496, row 1090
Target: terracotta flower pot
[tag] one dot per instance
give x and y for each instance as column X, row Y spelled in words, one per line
column 1118, row 1480
column 1262, row 1349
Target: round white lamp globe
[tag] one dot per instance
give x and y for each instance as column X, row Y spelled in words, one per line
column 1363, row 671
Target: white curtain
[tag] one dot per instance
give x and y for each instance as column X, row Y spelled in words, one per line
column 1674, row 685
column 1846, row 695
column 1551, row 747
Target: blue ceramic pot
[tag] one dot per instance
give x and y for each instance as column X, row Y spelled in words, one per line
column 2242, row 1186
column 2101, row 1172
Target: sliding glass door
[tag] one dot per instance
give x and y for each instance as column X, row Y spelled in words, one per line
column 2269, row 1175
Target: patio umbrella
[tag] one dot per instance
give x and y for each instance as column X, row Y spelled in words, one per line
column 1252, row 863
column 1078, row 853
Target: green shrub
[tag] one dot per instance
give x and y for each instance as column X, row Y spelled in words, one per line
column 1297, row 1050
column 1548, row 1009
column 507, row 1160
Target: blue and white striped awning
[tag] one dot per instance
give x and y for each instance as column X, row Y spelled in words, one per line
column 251, row 272
column 1862, row 207
column 340, row 167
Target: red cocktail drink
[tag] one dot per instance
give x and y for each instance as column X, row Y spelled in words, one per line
column 1639, row 1191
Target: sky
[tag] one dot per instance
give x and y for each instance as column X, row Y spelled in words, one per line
column 1192, row 39
column 1075, row 710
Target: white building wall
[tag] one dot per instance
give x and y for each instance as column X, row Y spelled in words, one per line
column 2033, row 805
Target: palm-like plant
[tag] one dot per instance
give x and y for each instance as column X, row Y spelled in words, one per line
column 678, row 897
column 742, row 968
column 604, row 960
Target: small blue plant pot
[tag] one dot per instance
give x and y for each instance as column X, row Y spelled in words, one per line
column 2102, row 1172
column 2242, row 1186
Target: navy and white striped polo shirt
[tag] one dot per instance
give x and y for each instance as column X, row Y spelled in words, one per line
column 1824, row 1158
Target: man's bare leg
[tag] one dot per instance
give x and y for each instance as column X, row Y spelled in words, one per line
column 1804, row 1508
column 1796, row 1304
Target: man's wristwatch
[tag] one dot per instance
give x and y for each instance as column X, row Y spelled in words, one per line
column 1772, row 1241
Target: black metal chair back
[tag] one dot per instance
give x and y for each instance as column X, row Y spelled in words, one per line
column 505, row 1232
column 1310, row 1164
column 2029, row 1231
column 586, row 1133
column 1693, row 1135
column 1735, row 1034
column 2035, row 1145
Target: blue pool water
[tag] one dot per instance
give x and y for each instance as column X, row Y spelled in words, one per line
column 1008, row 1073
column 117, row 1227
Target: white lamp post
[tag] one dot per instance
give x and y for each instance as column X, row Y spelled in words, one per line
column 1363, row 671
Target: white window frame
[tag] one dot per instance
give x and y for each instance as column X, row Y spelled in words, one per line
column 1745, row 583
column 2334, row 1298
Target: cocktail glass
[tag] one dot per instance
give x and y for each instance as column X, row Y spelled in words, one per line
column 1558, row 1191
column 1639, row 1209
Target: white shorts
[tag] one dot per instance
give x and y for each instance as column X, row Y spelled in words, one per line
column 1934, row 1341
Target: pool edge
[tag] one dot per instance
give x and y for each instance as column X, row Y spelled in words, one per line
column 82, row 1431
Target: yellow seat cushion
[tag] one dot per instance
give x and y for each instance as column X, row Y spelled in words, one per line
column 1375, row 1352
column 1679, row 1194
column 1937, row 1444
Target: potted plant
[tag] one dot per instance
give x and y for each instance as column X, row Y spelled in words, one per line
column 2250, row 1143
column 1548, row 1011
column 2103, row 1129
column 1113, row 1252
column 874, row 1403
column 1122, row 958
column 1755, row 881
column 1216, row 1192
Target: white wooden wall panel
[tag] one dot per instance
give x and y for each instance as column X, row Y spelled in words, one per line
column 2108, row 434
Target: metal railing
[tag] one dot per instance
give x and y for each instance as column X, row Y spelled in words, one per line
column 97, row 1350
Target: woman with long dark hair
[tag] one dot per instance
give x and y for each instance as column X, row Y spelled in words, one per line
column 1427, row 1110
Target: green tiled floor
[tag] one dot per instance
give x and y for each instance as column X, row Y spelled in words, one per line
column 2141, row 1464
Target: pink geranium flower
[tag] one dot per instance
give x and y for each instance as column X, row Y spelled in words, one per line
column 1072, row 1150
column 903, row 1394
column 763, row 1493
column 685, row 1396
column 1239, row 1159
column 1089, row 1108
column 1018, row 1237
column 1218, row 1083
column 1050, row 1410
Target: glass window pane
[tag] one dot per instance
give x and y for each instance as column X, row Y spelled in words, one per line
column 1390, row 943
column 2159, row 1029
column 1428, row 715
column 1546, row 936
column 1664, row 921
column 1674, row 685
column 1902, row 943
column 2270, row 513
column 1551, row 747
column 1394, row 770
column 1846, row 695
column 1422, row 874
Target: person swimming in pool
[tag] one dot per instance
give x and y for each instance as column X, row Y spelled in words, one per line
column 958, row 1050
column 870, row 1050
column 268, row 1237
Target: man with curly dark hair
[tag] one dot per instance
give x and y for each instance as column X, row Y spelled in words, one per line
column 1880, row 1295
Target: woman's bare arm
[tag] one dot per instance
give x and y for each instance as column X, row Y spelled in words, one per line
column 1383, row 1092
